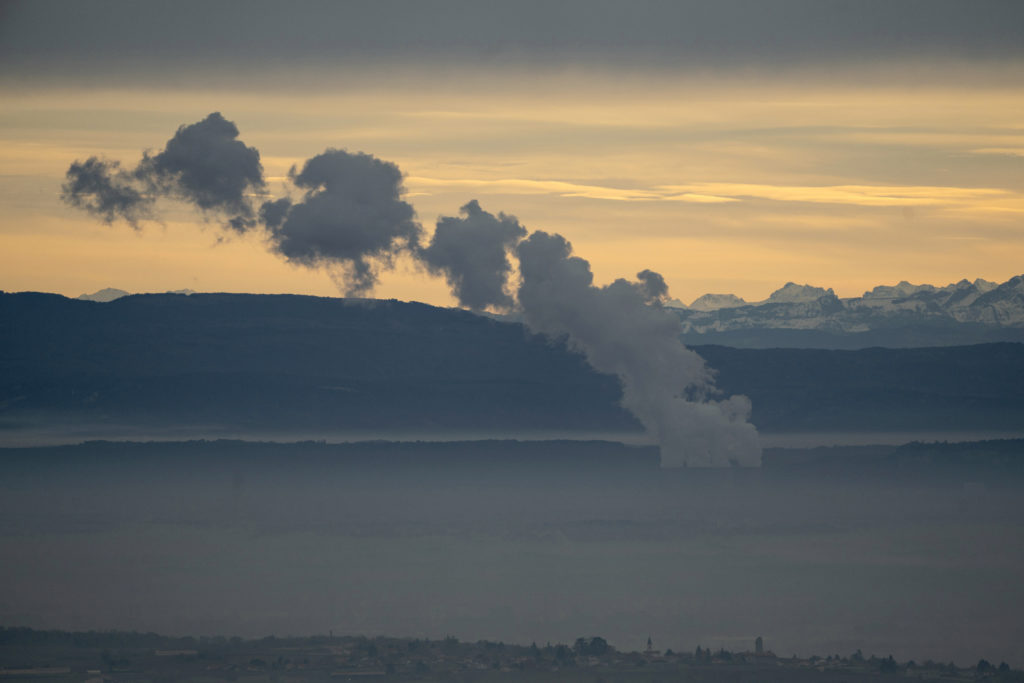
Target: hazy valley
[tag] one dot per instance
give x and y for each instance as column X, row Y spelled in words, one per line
column 822, row 551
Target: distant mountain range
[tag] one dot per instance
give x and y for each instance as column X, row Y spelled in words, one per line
column 904, row 315
column 242, row 363
column 110, row 294
column 803, row 316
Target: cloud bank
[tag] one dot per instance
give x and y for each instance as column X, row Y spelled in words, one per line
column 59, row 39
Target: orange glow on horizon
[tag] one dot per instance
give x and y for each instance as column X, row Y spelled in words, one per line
column 733, row 185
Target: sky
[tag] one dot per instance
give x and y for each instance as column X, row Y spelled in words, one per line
column 730, row 146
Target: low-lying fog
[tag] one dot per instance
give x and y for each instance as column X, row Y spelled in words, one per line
column 919, row 568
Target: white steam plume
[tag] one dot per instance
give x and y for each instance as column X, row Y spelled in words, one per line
column 352, row 220
column 622, row 331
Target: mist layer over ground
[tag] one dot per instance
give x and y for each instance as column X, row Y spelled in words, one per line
column 517, row 542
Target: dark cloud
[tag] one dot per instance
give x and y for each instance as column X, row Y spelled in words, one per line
column 273, row 212
column 204, row 164
column 667, row 386
column 105, row 190
column 653, row 285
column 207, row 165
column 472, row 253
column 351, row 217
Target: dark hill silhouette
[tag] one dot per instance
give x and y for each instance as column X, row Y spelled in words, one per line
column 298, row 363
column 977, row 387
column 279, row 361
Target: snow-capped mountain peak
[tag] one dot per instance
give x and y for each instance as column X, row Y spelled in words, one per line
column 791, row 293
column 961, row 312
column 899, row 291
column 104, row 295
column 714, row 302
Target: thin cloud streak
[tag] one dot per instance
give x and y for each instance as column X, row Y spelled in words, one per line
column 861, row 195
column 720, row 193
column 528, row 186
column 1004, row 151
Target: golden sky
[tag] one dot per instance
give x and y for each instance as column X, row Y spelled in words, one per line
column 733, row 180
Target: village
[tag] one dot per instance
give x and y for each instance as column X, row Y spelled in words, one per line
column 53, row 656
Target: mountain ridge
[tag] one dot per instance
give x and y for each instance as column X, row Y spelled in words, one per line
column 312, row 364
column 902, row 315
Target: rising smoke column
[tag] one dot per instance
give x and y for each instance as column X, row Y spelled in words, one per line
column 623, row 330
column 351, row 220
